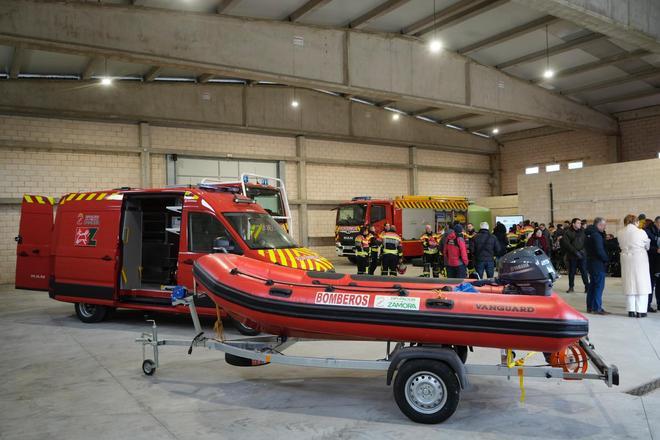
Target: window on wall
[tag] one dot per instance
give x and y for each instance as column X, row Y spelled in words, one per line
column 532, row 170
column 552, row 168
column 190, row 171
column 575, row 165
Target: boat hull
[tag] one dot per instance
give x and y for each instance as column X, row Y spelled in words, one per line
column 294, row 303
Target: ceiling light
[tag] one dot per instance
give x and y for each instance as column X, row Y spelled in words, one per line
column 495, row 130
column 548, row 73
column 395, row 117
column 295, row 103
column 106, row 81
column 435, row 46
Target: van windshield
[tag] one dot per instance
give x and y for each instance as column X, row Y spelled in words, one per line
column 351, row 215
column 260, row 231
column 268, row 198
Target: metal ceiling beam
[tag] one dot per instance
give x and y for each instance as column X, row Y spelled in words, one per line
column 423, row 111
column 152, row 73
column 386, row 103
column 458, row 118
column 17, row 61
column 554, row 50
column 644, row 74
column 204, row 78
column 224, row 5
column 510, row 34
column 626, row 97
column 91, row 66
column 438, row 15
column 377, row 12
column 309, row 6
column 492, row 125
column 379, row 67
column 603, row 62
column 474, row 10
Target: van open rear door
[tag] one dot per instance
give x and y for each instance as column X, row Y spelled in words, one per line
column 33, row 262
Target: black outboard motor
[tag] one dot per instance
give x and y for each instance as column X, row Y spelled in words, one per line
column 527, row 271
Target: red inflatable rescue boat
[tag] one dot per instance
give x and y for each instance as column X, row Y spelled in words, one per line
column 518, row 310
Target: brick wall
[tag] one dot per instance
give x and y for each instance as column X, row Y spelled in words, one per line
column 640, row 138
column 592, row 149
column 55, row 156
column 609, row 191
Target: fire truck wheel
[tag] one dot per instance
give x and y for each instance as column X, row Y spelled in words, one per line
column 244, row 329
column 90, row 313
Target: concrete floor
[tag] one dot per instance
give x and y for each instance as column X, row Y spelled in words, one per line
column 62, row 379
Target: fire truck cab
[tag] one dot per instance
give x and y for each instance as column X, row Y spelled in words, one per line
column 410, row 214
column 130, row 247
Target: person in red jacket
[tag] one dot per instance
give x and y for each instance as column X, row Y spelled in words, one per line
column 537, row 239
column 455, row 253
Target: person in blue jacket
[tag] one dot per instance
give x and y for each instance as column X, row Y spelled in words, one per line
column 597, row 260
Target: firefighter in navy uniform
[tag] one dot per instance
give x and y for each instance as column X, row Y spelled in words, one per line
column 431, row 259
column 362, row 250
column 391, row 252
column 374, row 249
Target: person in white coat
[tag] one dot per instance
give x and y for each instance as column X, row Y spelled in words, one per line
column 634, row 266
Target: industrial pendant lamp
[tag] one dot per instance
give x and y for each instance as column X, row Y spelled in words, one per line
column 435, row 45
column 548, row 73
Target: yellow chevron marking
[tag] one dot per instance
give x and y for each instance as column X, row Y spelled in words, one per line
column 271, row 254
column 40, row 200
column 101, row 196
column 80, row 197
column 261, row 252
column 123, row 276
column 91, row 196
column 302, row 263
column 71, row 196
column 28, row 198
column 51, row 200
column 294, row 263
column 280, row 254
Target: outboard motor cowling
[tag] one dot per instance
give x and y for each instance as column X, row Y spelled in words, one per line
column 527, row 271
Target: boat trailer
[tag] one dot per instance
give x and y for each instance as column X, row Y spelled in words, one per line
column 427, row 379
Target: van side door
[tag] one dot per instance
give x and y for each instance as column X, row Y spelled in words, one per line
column 35, row 233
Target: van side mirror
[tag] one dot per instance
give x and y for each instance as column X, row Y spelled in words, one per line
column 221, row 244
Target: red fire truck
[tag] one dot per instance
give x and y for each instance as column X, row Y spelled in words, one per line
column 410, row 214
column 128, row 247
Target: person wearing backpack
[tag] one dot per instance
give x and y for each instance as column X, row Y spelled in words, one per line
column 484, row 248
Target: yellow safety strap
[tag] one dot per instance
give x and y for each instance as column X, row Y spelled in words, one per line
column 218, row 327
column 512, row 363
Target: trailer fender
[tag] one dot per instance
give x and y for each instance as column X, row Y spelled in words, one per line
column 446, row 355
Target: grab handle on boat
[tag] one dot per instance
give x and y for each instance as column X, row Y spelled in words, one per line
column 277, row 291
column 439, row 303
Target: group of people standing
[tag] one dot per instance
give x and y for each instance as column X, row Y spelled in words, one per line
column 372, row 248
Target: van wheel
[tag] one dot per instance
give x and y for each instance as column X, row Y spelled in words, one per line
column 90, row 313
column 427, row 391
column 244, row 329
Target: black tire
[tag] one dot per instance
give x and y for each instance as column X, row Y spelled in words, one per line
column 352, row 259
column 90, row 313
column 148, row 367
column 239, row 361
column 244, row 329
column 426, row 391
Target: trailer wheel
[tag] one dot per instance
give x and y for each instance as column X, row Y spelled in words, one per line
column 244, row 329
column 90, row 313
column 426, row 391
column 148, row 367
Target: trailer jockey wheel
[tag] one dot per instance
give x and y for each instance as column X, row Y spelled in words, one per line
column 427, row 391
column 573, row 359
column 90, row 313
column 148, row 367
